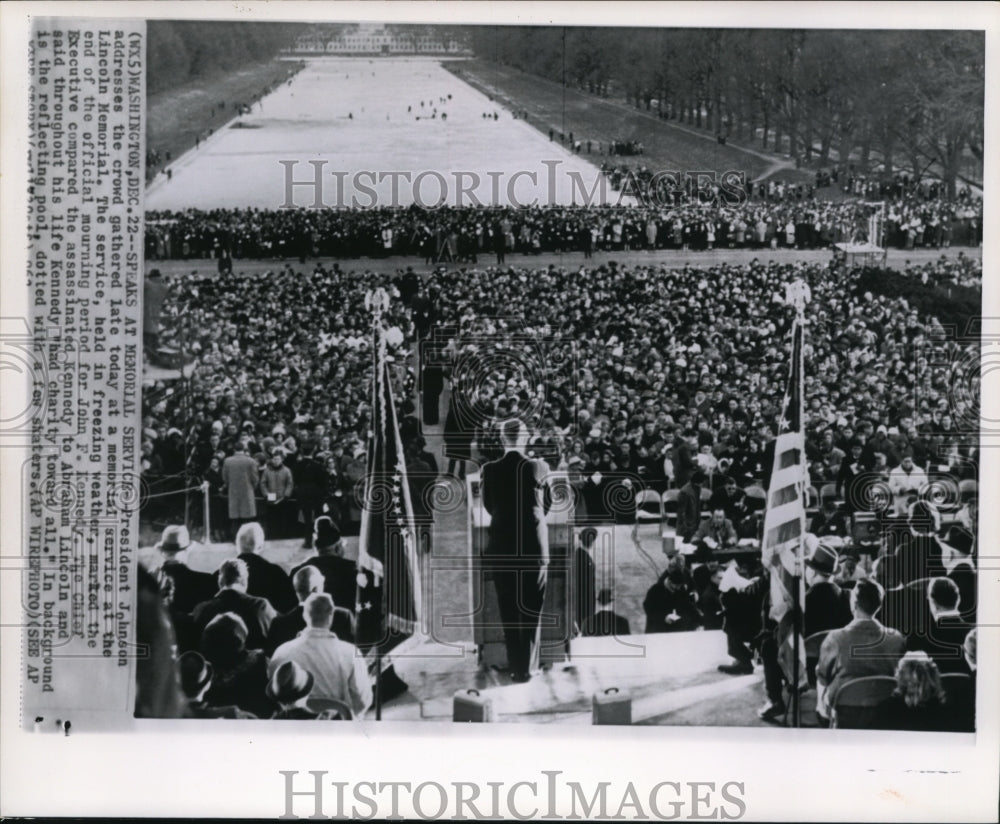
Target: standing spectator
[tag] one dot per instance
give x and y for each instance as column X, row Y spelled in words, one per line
column 239, row 479
column 154, row 297
column 311, row 483
column 584, row 577
column 689, row 507
column 276, row 485
column 906, row 482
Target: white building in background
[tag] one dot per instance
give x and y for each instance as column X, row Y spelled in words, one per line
column 372, row 39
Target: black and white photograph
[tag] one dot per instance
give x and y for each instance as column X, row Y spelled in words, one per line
column 506, row 377
column 673, row 441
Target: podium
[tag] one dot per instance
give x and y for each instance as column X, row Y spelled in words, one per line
column 556, row 618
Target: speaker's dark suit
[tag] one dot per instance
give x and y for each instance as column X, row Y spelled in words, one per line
column 518, row 545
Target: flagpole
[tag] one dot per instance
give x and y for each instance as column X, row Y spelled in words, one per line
column 800, row 310
column 377, row 301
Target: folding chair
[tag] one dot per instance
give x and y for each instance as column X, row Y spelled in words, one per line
column 669, row 500
column 648, row 509
column 854, row 704
column 812, row 502
column 756, row 497
column 706, row 494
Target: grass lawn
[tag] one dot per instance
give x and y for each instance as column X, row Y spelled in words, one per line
column 668, row 146
column 175, row 117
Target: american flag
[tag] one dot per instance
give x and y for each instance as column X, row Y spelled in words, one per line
column 785, row 519
column 389, row 574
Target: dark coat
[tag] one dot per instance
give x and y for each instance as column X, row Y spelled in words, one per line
column 190, row 588
column 242, row 684
column 458, row 431
column 894, row 714
column 284, row 628
column 827, row 607
column 659, row 603
column 257, row 614
column 684, row 464
column 270, row 581
column 513, row 489
column 339, row 578
column 943, row 642
column 688, row 511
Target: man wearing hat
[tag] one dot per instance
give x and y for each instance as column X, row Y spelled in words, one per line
column 187, row 587
column 196, row 676
column 289, row 687
column 826, row 605
column 339, row 573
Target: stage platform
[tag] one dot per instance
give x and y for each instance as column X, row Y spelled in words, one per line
column 664, row 674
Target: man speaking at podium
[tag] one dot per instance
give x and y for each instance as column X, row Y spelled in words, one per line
column 513, row 489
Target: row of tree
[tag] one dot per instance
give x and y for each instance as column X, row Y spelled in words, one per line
column 185, row 50
column 906, row 98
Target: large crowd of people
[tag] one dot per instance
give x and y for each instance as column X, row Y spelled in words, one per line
column 719, row 215
column 667, row 378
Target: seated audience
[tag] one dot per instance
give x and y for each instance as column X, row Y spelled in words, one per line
column 946, row 633
column 288, row 625
column 918, row 702
column 240, row 674
column 863, row 647
column 715, row 534
column 196, row 680
column 289, row 688
column 266, row 579
column 339, row 573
